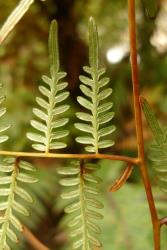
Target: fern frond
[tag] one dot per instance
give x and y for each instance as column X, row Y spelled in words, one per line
column 48, row 123
column 83, row 188
column 13, row 173
column 3, row 127
column 158, row 151
column 95, row 100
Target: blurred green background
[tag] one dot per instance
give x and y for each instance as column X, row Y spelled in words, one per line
column 24, row 58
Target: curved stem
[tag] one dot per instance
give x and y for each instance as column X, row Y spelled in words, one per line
column 138, row 123
column 72, row 156
column 31, row 238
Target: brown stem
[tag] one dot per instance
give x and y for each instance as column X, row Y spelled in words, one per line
column 33, row 241
column 72, row 156
column 122, row 179
column 163, row 221
column 138, row 123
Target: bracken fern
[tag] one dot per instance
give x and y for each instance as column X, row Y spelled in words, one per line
column 13, row 173
column 158, row 151
column 82, row 188
column 49, row 139
column 95, row 101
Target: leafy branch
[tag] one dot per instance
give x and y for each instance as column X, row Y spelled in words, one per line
column 94, row 89
column 82, row 187
column 50, row 110
column 10, row 188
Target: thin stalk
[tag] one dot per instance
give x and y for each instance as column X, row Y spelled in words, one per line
column 138, row 124
column 33, row 241
column 83, row 212
column 71, row 156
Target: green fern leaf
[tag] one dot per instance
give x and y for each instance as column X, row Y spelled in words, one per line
column 50, row 104
column 3, row 127
column 82, row 192
column 94, row 99
column 157, row 152
column 11, row 193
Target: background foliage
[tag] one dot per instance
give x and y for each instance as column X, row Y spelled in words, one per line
column 24, row 58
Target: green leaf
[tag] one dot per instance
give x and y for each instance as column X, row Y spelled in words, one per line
column 77, row 244
column 61, row 109
column 69, row 182
column 2, row 111
column 85, row 140
column 104, row 94
column 57, row 145
column 94, row 241
column 85, row 103
column 12, row 236
column 61, row 97
column 46, row 92
column 93, row 227
column 53, row 49
column 23, row 194
column 38, row 125
column 70, row 195
column 6, row 168
column 93, row 44
column 92, row 178
column 84, row 127
column 36, row 137
column 87, row 91
column 72, row 207
column 84, row 116
column 152, row 121
column 4, row 128
column 71, row 170
column 26, row 178
column 94, row 215
column 59, row 123
column 3, row 138
column 104, row 107
column 106, row 131
column 105, row 118
column 59, row 134
column 5, row 180
column 47, row 80
column 105, row 143
column 44, row 104
column 103, row 82
column 4, row 191
column 16, row 223
column 86, row 80
column 3, row 205
column 94, row 203
column 19, row 208
column 62, row 85
column 40, row 114
column 27, row 166
column 39, row 147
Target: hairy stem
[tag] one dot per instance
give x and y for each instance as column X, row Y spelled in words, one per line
column 138, row 123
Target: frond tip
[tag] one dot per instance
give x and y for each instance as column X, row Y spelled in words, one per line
column 83, row 189
column 94, row 100
column 13, row 173
column 49, row 122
